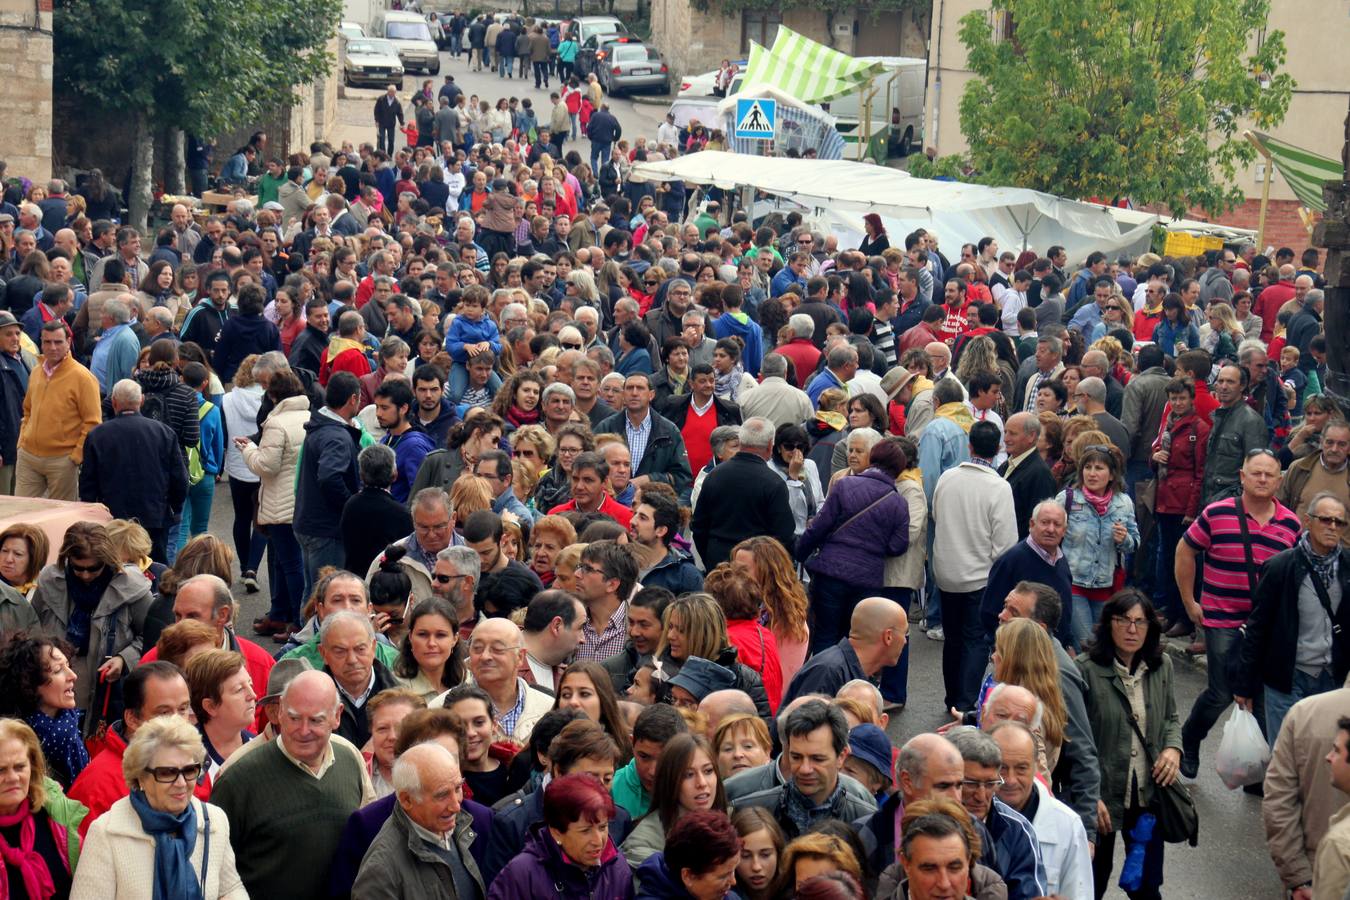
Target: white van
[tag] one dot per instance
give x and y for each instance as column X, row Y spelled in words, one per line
column 896, row 108
column 409, row 32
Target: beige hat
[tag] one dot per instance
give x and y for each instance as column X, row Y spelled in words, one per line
column 895, row 381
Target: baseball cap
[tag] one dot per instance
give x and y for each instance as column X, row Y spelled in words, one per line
column 700, row 677
column 869, row 743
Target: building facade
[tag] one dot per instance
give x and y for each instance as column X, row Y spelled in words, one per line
column 26, row 71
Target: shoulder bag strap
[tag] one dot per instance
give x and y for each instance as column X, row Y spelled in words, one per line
column 206, row 845
column 876, row 502
column 1247, row 556
column 1325, row 599
column 1134, row 724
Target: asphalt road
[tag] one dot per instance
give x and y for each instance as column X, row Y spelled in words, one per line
column 1232, row 850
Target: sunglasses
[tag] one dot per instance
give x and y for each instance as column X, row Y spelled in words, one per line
column 570, row 346
column 1332, row 521
column 445, row 579
column 96, row 567
column 170, row 774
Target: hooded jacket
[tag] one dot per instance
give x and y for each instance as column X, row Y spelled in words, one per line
column 730, row 325
column 168, row 400
column 273, row 459
column 659, row 883
column 410, row 449
column 343, row 355
column 241, row 336
column 328, row 475
column 675, row 572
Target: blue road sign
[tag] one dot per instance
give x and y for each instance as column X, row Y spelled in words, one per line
column 756, row 118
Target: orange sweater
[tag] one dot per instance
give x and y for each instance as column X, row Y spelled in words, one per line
column 60, row 411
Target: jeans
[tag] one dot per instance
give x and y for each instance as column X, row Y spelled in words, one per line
column 832, row 602
column 384, row 139
column 962, row 663
column 197, row 508
column 459, row 382
column 600, row 151
column 289, row 587
column 319, row 552
column 564, row 72
column 504, row 65
column 197, row 180
column 1165, row 594
column 1105, row 856
column 484, row 59
column 541, row 72
column 932, row 606
column 1219, row 645
column 249, row 541
column 576, row 132
column 456, row 45
column 1278, row 702
column 895, row 679
column 1086, row 613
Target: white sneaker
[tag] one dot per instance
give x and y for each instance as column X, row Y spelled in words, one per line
column 935, row 634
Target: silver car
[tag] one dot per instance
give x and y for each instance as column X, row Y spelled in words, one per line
column 631, row 67
column 411, row 34
column 371, row 61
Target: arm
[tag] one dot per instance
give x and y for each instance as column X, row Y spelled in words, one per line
column 89, row 488
column 265, row 458
column 1130, row 415
column 678, row 472
column 1266, row 601
column 819, row 527
column 96, row 870
column 178, row 477
column 90, row 412
column 1082, row 780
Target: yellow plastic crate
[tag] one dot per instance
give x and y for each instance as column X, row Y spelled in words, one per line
column 1183, row 243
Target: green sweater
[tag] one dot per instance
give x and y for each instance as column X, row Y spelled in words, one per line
column 629, row 793
column 285, row 823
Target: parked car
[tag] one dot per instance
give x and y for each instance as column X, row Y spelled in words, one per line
column 633, row 66
column 411, row 34
column 584, row 28
column 588, row 51
column 371, row 61
column 702, row 85
column 350, row 30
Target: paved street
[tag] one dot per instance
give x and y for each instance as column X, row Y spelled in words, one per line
column 1232, row 847
column 355, row 122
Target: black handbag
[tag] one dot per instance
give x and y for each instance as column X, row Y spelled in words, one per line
column 1172, row 806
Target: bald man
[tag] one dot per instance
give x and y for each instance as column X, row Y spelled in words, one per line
column 876, row 638
column 929, row 766
column 496, row 653
column 720, row 704
column 1012, row 703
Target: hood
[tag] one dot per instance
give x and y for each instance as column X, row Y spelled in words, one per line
column 291, row 404
column 318, row 420
column 338, row 345
column 156, row 381
column 657, row 881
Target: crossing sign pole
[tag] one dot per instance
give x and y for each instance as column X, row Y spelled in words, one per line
column 756, row 118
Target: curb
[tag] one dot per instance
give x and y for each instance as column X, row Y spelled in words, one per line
column 651, row 99
column 1177, row 649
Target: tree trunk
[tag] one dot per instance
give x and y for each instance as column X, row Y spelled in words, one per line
column 142, row 166
column 174, row 182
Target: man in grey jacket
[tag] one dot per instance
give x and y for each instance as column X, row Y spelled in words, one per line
column 1238, row 429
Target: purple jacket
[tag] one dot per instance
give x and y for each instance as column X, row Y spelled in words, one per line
column 366, row 822
column 855, row 549
column 541, row 871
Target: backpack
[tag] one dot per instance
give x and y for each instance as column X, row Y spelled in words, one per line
column 155, row 407
column 195, row 468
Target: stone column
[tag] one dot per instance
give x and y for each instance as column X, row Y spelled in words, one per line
column 26, row 73
column 1333, row 234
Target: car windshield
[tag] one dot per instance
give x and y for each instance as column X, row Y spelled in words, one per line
column 372, row 48
column 408, row 31
column 635, row 53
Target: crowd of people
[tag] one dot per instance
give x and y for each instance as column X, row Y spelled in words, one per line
column 595, row 528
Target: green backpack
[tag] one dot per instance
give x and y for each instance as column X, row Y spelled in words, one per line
column 197, row 471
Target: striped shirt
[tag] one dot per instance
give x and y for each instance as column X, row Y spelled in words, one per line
column 1225, row 593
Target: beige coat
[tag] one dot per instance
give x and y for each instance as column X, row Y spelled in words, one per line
column 906, row 571
column 1333, row 859
column 1300, row 800
column 117, row 861
column 274, row 460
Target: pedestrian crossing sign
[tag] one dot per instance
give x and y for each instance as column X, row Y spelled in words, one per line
column 756, row 117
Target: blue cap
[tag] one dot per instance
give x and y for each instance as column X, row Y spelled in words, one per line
column 869, row 743
column 700, row 677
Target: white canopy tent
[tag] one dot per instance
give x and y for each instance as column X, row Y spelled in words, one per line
column 843, row 191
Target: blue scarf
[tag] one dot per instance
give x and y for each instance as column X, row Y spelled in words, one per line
column 61, row 743
column 175, row 837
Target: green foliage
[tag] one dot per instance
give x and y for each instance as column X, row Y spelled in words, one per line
column 871, row 10
column 1137, row 98
column 203, row 66
column 953, row 167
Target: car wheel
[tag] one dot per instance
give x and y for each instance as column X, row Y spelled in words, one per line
column 436, row 69
column 907, row 142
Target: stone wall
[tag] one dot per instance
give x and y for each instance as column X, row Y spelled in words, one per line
column 26, row 76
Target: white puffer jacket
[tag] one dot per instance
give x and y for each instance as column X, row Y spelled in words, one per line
column 274, row 460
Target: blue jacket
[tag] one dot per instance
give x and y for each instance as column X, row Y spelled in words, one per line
column 1021, row 563
column 241, row 336
column 1167, row 336
column 822, row 383
column 785, row 277
column 863, row 520
column 213, row 439
column 677, row 573
column 1092, row 551
column 13, row 386
column 115, row 356
column 944, row 444
column 1018, row 852
column 235, row 170
column 328, row 475
column 658, row 883
column 410, row 448
column 440, row 426
column 462, row 331
column 634, row 362
column 727, row 325
column 826, row 672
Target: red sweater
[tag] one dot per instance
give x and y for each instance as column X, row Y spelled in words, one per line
column 259, row 663
column 757, row 648
column 101, row 783
column 697, row 434
column 609, row 507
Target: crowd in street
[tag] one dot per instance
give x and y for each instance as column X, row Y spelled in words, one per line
column 596, row 523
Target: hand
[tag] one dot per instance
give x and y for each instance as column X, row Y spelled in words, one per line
column 1103, row 819
column 1186, row 520
column 1193, row 610
column 1167, row 768
column 112, row 668
column 241, row 442
column 641, row 480
column 1302, row 893
column 1244, row 702
column 380, row 622
column 1161, row 457
column 1092, row 849
column 957, row 718
column 1118, row 532
column 796, row 463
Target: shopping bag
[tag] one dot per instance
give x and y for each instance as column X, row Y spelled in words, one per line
column 1243, row 753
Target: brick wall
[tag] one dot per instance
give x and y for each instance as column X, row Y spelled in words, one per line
column 26, row 76
column 1284, row 226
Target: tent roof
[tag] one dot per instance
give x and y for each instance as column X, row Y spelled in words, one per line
column 807, row 69
column 1132, row 217
column 1305, row 171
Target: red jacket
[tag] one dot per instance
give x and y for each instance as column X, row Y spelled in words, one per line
column 608, row 507
column 920, row 336
column 757, row 648
column 347, row 360
column 258, row 661
column 1179, row 489
column 101, row 783
column 1268, row 304
column 805, row 357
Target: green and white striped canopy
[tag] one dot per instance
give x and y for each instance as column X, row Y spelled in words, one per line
column 1304, row 171
column 806, row 69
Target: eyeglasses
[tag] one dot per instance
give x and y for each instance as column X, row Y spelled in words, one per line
column 170, row 774
column 585, row 568
column 1332, row 521
column 1130, row 624
column 434, row 527
column 1261, row 451
column 96, row 567
column 445, row 579
column 570, row 346
column 971, row 784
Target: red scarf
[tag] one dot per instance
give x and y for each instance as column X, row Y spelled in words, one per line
column 37, row 878
column 518, row 417
column 1099, row 502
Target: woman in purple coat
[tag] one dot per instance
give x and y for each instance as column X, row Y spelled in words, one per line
column 863, row 521
column 570, row 854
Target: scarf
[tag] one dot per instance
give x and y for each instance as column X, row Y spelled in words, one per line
column 835, row 421
column 61, row 743
column 1099, row 502
column 958, row 413
column 729, row 385
column 84, row 599
column 801, row 811
column 1323, row 567
column 37, row 878
column 175, row 837
column 913, row 475
column 518, row 417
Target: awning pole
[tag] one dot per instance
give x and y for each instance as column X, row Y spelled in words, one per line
column 1265, row 188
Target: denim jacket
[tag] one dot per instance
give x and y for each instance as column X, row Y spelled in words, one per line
column 1091, row 550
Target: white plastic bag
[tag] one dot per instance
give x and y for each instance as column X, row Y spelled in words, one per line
column 1244, row 753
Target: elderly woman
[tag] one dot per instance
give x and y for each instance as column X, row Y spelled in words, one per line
column 41, row 840
column 224, row 703
column 20, row 563
column 1132, row 708
column 37, row 686
column 862, row 522
column 88, row 598
column 863, row 411
column 570, row 853
column 385, row 712
column 555, row 486
column 702, row 852
column 904, row 573
column 160, row 842
column 858, row 448
column 742, row 742
column 725, row 442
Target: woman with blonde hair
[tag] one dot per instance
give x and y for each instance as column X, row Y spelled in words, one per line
column 768, row 565
column 181, row 641
column 565, row 567
column 37, row 814
column 815, row 854
column 1024, row 655
column 1221, row 334
column 694, row 625
column 581, row 288
column 224, row 703
column 204, row 554
column 131, row 542
column 468, row 495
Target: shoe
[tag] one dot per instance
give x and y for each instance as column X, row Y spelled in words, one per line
column 1190, row 765
column 285, row 633
column 268, row 625
column 250, row 580
column 1255, row 790
column 935, row 634
column 1181, row 629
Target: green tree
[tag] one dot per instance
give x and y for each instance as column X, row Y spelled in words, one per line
column 1122, row 98
column 202, row 66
